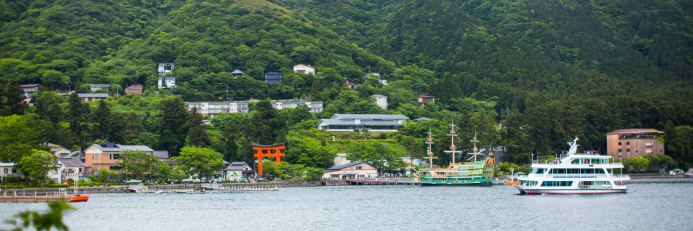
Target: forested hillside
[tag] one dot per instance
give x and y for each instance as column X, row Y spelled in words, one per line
column 567, row 67
column 545, row 71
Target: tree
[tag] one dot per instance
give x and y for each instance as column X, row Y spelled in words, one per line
column 267, row 125
column 53, row 78
column 78, row 112
column 137, row 163
column 203, row 162
column 271, row 169
column 17, row 136
column 12, row 97
column 43, row 222
column 637, row 163
column 300, row 113
column 230, row 146
column 103, row 121
column 172, row 128
column 197, row 132
column 313, row 173
column 379, row 155
column 515, row 140
column 37, row 165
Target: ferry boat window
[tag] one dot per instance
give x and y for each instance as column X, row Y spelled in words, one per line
column 587, row 171
column 599, row 171
column 610, row 171
column 557, row 183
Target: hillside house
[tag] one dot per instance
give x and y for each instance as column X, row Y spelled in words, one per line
column 29, row 89
column 236, row 73
column 423, row 99
column 371, row 122
column 90, row 97
column 134, row 89
column 381, row 101
column 212, row 109
column 273, row 77
column 167, row 82
column 96, row 87
column 8, row 170
column 350, row 83
column 165, row 68
column 308, row 69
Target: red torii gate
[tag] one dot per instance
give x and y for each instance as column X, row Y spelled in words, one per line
column 266, row 151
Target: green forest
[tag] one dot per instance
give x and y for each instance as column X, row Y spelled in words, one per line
column 524, row 75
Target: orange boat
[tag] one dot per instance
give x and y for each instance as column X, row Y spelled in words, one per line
column 513, row 183
column 76, row 197
column 79, row 198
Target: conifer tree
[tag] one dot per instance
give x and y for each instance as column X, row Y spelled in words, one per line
column 197, row 132
column 12, row 99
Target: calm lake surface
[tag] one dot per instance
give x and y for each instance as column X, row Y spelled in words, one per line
column 667, row 206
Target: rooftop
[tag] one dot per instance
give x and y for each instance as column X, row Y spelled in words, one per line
column 71, row 162
column 237, row 166
column 237, row 72
column 93, row 95
column 340, row 167
column 99, row 85
column 161, row 154
column 29, row 85
column 119, row 147
column 635, row 131
column 379, row 96
column 369, row 117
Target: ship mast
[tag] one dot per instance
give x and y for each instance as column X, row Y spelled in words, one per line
column 476, row 150
column 453, row 148
column 430, row 153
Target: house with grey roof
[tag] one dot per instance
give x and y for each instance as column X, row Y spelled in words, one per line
column 353, row 170
column 29, row 89
column 236, row 73
column 162, row 155
column 372, row 122
column 165, row 68
column 236, row 170
column 87, row 97
column 71, row 169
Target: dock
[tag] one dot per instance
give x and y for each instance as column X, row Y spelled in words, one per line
column 385, row 181
column 34, row 197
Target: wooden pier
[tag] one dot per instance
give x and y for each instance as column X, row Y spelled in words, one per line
column 32, row 197
column 385, row 181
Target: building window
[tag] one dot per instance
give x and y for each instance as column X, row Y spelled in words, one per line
column 628, row 143
column 14, row 170
column 620, row 150
column 5, row 170
column 628, row 150
column 619, row 143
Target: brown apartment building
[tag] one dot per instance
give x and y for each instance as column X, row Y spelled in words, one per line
column 634, row 142
column 107, row 155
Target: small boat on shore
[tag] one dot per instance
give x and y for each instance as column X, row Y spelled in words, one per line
column 575, row 173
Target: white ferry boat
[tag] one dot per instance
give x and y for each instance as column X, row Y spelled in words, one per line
column 575, row 173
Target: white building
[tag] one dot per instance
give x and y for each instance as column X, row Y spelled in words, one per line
column 212, row 109
column 96, row 87
column 236, row 170
column 71, row 169
column 353, row 170
column 341, row 159
column 315, row 106
column 381, row 101
column 372, row 122
column 60, row 152
column 166, row 82
column 308, row 69
column 8, row 170
column 165, row 68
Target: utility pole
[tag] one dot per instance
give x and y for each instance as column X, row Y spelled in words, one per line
column 227, row 92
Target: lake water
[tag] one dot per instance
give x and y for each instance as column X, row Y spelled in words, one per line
column 667, row 206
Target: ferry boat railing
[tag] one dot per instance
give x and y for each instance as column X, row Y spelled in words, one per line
column 595, row 187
